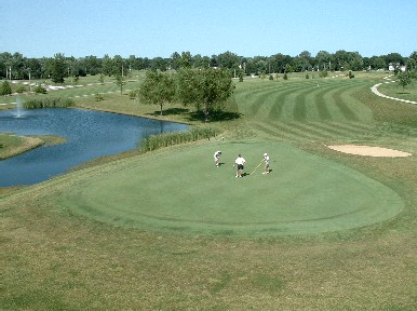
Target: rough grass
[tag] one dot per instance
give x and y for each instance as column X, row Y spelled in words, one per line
column 54, row 259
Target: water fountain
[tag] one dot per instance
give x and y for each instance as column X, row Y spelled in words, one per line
column 19, row 111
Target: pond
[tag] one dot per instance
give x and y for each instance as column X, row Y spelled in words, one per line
column 89, row 135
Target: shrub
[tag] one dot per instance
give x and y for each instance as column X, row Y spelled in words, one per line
column 133, row 94
column 49, row 103
column 240, row 76
column 21, row 89
column 40, row 89
column 153, row 142
column 99, row 97
column 285, row 77
column 323, row 74
column 5, row 88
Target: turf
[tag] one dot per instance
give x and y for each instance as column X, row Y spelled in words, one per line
column 182, row 190
column 63, row 247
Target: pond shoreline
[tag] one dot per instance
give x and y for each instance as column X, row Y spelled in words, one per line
column 115, row 138
column 30, row 143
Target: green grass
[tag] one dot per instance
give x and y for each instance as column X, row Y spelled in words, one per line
column 298, row 197
column 394, row 89
column 79, row 242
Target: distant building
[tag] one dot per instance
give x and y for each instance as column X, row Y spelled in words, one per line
column 393, row 66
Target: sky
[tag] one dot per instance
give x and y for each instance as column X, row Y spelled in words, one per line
column 158, row 28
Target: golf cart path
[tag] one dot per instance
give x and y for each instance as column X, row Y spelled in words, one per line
column 374, row 90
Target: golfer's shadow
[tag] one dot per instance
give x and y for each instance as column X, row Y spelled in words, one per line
column 221, row 163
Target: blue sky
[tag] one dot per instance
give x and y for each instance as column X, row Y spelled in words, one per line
column 151, row 28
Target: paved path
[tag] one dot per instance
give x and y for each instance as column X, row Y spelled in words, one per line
column 374, row 89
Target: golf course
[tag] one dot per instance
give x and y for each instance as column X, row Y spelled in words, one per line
column 167, row 230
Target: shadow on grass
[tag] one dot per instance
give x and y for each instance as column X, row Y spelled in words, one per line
column 214, row 116
column 198, row 115
column 170, row 111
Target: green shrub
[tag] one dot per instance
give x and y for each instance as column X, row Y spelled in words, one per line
column 153, row 142
column 241, row 76
column 323, row 74
column 133, row 94
column 285, row 77
column 5, row 88
column 99, row 97
column 21, row 89
column 40, row 89
column 52, row 102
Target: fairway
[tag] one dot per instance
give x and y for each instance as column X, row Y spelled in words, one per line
column 181, row 190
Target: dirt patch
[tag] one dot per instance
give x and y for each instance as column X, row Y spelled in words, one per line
column 370, row 151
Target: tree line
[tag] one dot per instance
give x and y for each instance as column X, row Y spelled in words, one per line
column 18, row 67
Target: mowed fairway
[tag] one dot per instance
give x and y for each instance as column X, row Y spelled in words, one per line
column 182, row 190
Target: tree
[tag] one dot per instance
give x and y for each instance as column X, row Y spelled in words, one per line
column 59, row 68
column 120, row 81
column 200, row 61
column 175, row 60
column 228, row 60
column 404, row 79
column 158, row 88
column 107, row 66
column 159, row 63
column 323, row 60
column 208, row 89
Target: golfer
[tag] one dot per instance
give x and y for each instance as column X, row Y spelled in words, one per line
column 239, row 163
column 217, row 155
column 266, row 161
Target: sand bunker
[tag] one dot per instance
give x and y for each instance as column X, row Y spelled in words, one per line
column 370, row 151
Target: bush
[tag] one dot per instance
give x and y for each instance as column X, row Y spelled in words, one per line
column 285, row 77
column 240, row 75
column 5, row 88
column 40, row 89
column 99, row 97
column 133, row 94
column 49, row 103
column 323, row 74
column 21, row 89
column 153, row 142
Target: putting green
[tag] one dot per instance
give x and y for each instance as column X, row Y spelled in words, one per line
column 182, row 190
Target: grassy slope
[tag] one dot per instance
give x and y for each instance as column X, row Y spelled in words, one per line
column 56, row 260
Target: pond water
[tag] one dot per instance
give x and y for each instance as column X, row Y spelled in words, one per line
column 89, row 134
